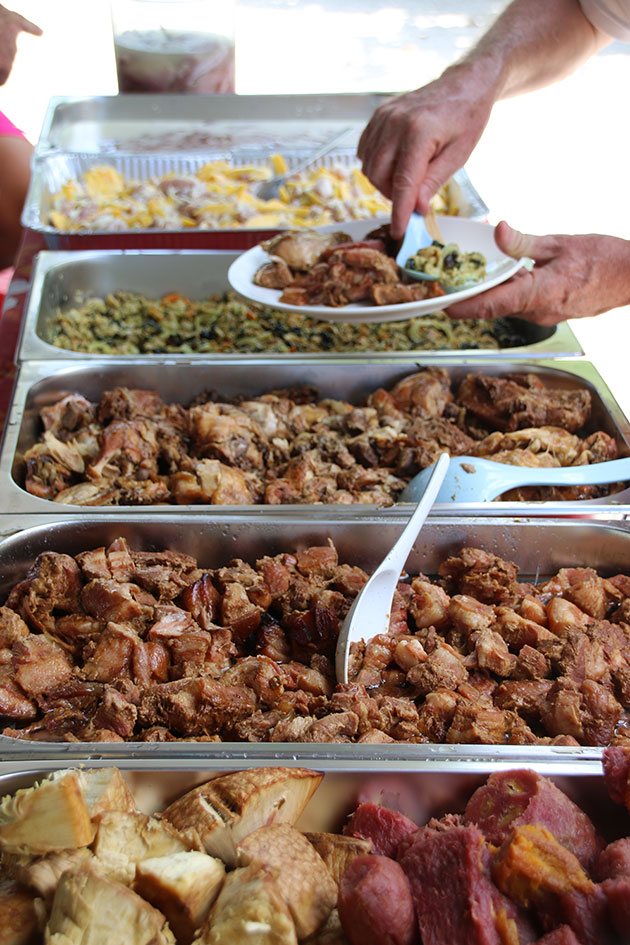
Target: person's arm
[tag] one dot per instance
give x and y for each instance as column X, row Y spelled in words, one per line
column 415, row 142
column 574, row 277
column 11, row 25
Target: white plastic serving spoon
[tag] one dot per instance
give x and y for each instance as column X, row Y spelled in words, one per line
column 471, row 479
column 420, row 232
column 369, row 614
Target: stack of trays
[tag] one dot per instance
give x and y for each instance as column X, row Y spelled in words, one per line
column 539, row 537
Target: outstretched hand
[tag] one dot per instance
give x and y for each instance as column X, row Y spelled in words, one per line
column 11, row 25
column 574, row 277
column 415, row 142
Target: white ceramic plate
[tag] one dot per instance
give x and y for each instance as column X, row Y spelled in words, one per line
column 469, row 234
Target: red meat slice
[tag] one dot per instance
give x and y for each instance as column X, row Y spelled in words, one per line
column 384, row 827
column 560, row 936
column 375, row 904
column 454, row 898
column 587, row 913
column 614, row 861
column 514, row 798
column 616, row 764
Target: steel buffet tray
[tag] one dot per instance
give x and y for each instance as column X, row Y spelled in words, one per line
column 540, row 547
column 59, row 277
column 51, row 171
column 111, row 123
column 41, row 383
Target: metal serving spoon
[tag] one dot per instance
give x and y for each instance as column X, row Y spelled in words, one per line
column 370, row 611
column 471, row 479
column 268, row 189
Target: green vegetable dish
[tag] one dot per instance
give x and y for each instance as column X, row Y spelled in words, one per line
column 132, row 324
column 448, row 265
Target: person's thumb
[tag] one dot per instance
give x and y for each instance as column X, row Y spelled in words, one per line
column 516, row 244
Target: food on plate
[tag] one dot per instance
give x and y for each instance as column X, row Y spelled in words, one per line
column 129, row 323
column 291, row 446
column 312, row 269
column 149, row 646
column 219, row 195
column 446, row 882
column 446, row 263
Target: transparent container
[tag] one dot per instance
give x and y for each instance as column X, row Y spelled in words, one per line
column 174, row 45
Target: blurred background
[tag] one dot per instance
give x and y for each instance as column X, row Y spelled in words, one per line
column 552, row 161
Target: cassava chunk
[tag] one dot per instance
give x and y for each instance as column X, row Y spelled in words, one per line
column 89, row 909
column 512, row 798
column 183, row 886
column 125, row 839
column 51, row 816
column 306, row 884
column 384, row 827
column 250, row 909
column 226, row 810
column 337, row 851
column 375, row 904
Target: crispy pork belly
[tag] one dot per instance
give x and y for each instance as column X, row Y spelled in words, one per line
column 521, row 400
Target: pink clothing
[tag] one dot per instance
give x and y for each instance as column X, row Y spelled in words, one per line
column 8, row 129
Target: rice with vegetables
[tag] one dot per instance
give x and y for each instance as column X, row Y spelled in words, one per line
column 131, row 324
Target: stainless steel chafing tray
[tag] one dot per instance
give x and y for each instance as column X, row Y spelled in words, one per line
column 110, row 123
column 539, row 547
column 60, row 277
column 51, row 171
column 42, row 383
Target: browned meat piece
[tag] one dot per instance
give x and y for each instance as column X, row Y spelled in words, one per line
column 14, row 704
column 67, row 415
column 212, row 483
column 47, row 471
column 150, row 663
column 526, row 697
column 426, row 393
column 164, row 573
column 385, row 294
column 519, row 632
column 544, row 446
column 227, row 433
column 124, row 403
column 318, row 561
column 512, row 403
column 425, row 439
column 478, row 725
column 343, row 274
column 128, row 448
column 564, row 617
column 203, row 706
column 600, row 447
column 88, row 494
column 429, row 606
column 51, row 586
column 531, row 664
column 591, row 597
column 443, row 668
column 238, row 613
column 111, row 600
column 511, row 799
column 479, row 574
column 39, row 665
column 492, row 654
column 12, row 627
column 436, row 714
column 561, row 713
column 300, row 249
column 274, row 275
column 468, row 615
column 112, row 654
column 600, row 714
column 116, row 713
column 202, row 600
column 170, row 622
column 314, row 631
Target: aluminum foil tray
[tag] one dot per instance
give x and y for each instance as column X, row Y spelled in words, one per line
column 152, row 122
column 41, row 383
column 53, row 169
column 539, row 547
column 60, row 277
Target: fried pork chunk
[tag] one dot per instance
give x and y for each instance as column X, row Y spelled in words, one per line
column 288, row 446
column 147, row 646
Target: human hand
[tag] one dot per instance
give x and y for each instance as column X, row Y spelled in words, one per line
column 11, row 25
column 414, row 143
column 574, row 277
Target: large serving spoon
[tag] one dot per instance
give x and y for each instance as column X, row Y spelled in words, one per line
column 370, row 611
column 268, row 189
column 421, row 231
column 471, row 479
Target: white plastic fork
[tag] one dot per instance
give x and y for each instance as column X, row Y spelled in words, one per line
column 370, row 611
column 472, row 479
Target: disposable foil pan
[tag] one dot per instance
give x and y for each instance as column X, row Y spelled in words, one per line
column 60, row 277
column 42, row 383
column 54, row 169
column 107, row 124
column 539, row 547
